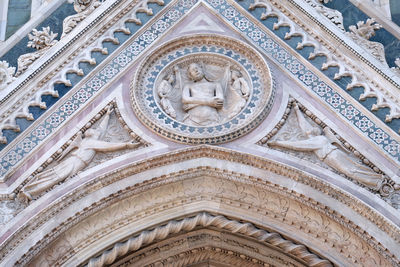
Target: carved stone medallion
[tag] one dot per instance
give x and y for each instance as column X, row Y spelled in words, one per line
column 202, row 89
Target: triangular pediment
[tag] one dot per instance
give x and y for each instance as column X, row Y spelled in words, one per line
column 271, row 97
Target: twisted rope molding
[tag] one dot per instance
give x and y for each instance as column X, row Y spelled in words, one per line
column 206, row 220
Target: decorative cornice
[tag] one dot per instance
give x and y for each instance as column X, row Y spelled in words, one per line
column 18, row 107
column 84, row 8
column 386, row 98
column 389, row 146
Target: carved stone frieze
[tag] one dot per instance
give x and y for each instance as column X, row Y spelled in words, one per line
column 196, row 188
column 19, row 108
column 211, row 94
column 346, row 65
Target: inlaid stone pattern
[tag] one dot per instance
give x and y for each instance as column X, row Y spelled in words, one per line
column 254, row 33
column 203, row 89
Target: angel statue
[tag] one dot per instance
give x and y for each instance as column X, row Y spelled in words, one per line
column 81, row 151
column 164, row 91
column 201, row 98
column 326, row 148
column 239, row 93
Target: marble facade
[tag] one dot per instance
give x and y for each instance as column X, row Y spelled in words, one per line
column 208, row 132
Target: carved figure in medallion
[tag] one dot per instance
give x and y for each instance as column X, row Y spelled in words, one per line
column 164, row 91
column 201, row 98
column 83, row 152
column 323, row 147
column 239, row 93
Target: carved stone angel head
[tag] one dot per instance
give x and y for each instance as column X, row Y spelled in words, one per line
column 195, row 72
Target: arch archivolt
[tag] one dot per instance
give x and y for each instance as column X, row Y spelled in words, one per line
column 212, row 246
column 177, row 186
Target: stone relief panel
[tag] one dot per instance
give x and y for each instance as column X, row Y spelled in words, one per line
column 102, row 140
column 302, row 137
column 203, row 92
column 202, row 89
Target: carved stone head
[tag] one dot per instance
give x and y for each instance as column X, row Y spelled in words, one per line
column 195, row 72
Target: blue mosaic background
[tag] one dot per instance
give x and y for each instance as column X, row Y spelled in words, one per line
column 241, row 23
column 352, row 15
column 319, row 60
column 55, row 21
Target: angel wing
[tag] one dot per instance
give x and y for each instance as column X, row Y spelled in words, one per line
column 178, row 75
column 334, row 139
column 226, row 78
column 175, row 94
column 74, row 144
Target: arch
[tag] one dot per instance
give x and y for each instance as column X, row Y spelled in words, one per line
column 270, row 196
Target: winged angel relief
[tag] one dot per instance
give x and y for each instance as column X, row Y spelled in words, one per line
column 203, row 95
column 75, row 158
column 329, row 150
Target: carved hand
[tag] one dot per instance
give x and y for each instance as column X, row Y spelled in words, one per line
column 217, row 102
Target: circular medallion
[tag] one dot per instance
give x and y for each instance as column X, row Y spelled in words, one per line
column 202, row 89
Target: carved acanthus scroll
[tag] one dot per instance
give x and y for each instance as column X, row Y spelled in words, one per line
column 362, row 32
column 333, row 15
column 83, row 8
column 40, row 40
column 6, row 74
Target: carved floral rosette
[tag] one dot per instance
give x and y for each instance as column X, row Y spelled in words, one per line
column 219, row 57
